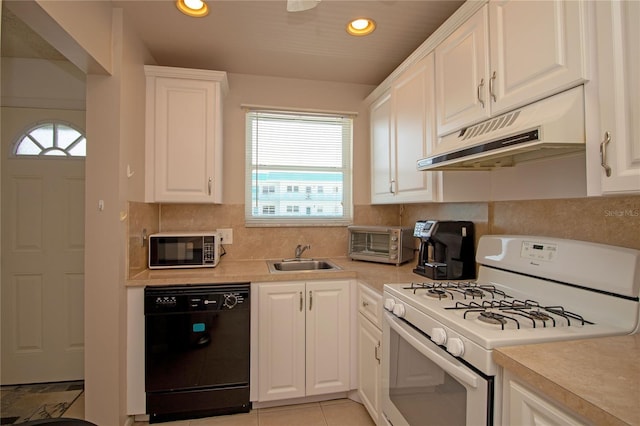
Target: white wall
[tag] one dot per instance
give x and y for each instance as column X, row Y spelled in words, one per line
column 115, row 126
column 38, row 83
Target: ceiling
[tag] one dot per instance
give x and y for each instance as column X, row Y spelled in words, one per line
column 262, row 38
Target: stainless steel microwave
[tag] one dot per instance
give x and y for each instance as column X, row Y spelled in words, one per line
column 384, row 244
column 184, row 250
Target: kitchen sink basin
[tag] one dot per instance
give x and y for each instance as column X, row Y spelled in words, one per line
column 295, row 265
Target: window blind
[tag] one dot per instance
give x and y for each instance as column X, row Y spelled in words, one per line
column 298, row 168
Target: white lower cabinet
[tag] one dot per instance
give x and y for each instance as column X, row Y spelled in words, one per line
column 525, row 407
column 303, row 340
column 370, row 350
column 369, row 369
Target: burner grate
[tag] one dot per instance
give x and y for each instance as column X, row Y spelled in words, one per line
column 448, row 289
column 495, row 312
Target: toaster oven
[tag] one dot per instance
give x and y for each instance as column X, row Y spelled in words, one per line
column 384, row 244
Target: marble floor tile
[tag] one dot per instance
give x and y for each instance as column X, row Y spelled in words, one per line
column 339, row 412
column 345, row 412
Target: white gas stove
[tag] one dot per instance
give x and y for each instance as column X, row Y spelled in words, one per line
column 529, row 290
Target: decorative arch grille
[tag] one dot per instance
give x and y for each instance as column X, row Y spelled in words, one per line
column 52, row 139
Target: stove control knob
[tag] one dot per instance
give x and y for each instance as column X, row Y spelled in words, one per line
column 455, row 346
column 389, row 304
column 439, row 336
column 398, row 310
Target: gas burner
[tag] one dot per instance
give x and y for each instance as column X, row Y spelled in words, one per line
column 540, row 316
column 473, row 292
column 437, row 293
column 492, row 318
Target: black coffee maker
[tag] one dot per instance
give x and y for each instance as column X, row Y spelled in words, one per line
column 446, row 249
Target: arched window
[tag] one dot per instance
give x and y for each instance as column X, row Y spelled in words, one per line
column 52, row 139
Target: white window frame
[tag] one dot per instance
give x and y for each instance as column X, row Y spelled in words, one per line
column 285, row 219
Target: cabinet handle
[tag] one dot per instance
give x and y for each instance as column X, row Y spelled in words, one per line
column 391, row 185
column 301, row 302
column 377, row 348
column 480, row 86
column 603, row 153
column 365, row 303
column 209, row 185
column 310, row 299
column 493, row 95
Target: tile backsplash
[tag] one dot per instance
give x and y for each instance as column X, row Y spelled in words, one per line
column 609, row 220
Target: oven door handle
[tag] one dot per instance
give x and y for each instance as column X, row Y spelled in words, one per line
column 450, row 366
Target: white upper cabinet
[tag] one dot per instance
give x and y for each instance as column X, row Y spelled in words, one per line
column 402, row 131
column 381, row 152
column 614, row 151
column 462, row 67
column 509, row 54
column 184, row 135
column 537, row 49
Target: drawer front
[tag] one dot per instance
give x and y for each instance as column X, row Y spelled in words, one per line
column 370, row 304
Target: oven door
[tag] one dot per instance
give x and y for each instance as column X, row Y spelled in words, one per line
column 423, row 384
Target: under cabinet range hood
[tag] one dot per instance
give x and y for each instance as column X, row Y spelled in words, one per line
column 550, row 127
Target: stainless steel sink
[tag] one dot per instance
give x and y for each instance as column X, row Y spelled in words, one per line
column 302, row 265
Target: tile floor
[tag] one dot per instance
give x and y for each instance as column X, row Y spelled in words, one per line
column 39, row 400
column 76, row 411
column 339, row 412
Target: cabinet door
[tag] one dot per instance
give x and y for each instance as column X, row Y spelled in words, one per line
column 537, row 49
column 619, row 94
column 184, row 140
column 527, row 408
column 327, row 337
column 281, row 341
column 382, row 156
column 462, row 71
column 369, row 370
column 413, row 114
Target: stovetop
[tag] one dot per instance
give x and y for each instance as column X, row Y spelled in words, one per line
column 489, row 305
column 561, row 293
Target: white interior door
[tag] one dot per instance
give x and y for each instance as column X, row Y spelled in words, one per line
column 42, row 270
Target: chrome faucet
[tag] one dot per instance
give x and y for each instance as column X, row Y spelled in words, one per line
column 300, row 249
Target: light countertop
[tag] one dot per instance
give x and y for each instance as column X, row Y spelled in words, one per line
column 375, row 275
column 596, row 378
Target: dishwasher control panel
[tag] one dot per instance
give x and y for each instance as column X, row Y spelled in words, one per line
column 196, row 298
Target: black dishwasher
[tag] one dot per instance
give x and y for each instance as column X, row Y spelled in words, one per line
column 197, row 344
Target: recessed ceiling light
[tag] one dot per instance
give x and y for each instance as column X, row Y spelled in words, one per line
column 195, row 8
column 361, row 27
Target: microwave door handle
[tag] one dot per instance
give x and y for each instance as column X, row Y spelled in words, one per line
column 458, row 371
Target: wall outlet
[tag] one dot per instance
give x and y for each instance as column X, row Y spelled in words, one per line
column 226, row 236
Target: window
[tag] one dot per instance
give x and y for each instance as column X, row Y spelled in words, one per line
column 299, row 154
column 52, row 139
column 268, row 189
